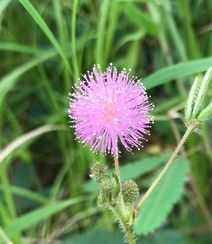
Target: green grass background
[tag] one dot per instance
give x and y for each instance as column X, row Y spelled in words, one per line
column 44, row 48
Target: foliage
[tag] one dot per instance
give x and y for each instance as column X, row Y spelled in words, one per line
column 156, row 208
column 116, row 237
column 44, row 47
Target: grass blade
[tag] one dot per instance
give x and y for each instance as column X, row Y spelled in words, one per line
column 176, row 71
column 140, row 18
column 38, row 19
column 30, row 219
column 24, row 138
column 8, row 81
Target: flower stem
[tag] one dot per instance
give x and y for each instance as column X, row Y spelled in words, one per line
column 121, row 211
column 127, row 227
column 130, row 235
column 116, row 161
column 155, row 183
column 121, row 199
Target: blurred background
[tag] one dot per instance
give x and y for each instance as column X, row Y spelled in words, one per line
column 45, row 191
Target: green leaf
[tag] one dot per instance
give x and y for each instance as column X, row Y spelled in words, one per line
column 140, row 18
column 8, row 81
column 30, row 219
column 133, row 170
column 19, row 191
column 20, row 141
column 156, row 208
column 176, row 71
column 16, row 47
column 96, row 236
column 107, row 237
column 3, row 6
column 163, row 237
column 206, row 113
column 130, row 38
column 191, row 99
column 38, row 19
column 141, row 167
column 201, row 92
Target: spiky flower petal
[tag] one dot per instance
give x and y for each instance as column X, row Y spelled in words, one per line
column 109, row 107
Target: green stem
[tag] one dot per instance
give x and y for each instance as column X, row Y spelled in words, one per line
column 73, row 38
column 124, row 219
column 167, row 166
column 123, row 207
column 128, row 228
column 116, row 161
column 130, row 235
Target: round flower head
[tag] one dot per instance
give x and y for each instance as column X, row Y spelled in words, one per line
column 109, row 107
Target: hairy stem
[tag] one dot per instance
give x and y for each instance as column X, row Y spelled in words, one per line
column 125, row 223
column 121, row 210
column 155, row 183
column 130, row 235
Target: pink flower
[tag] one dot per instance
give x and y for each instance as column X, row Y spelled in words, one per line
column 109, row 107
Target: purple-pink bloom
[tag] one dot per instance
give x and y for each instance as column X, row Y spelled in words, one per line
column 109, row 107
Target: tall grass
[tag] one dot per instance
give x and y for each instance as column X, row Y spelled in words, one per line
column 44, row 47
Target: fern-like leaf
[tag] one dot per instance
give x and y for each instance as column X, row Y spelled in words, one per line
column 156, row 208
